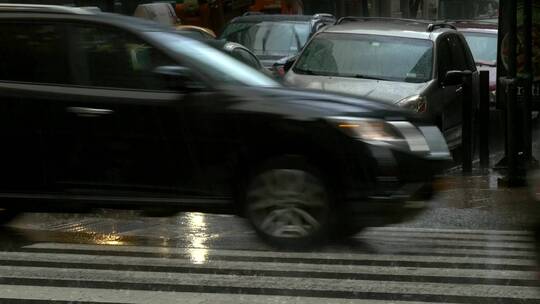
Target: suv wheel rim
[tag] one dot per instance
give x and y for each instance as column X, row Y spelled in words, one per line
column 287, row 203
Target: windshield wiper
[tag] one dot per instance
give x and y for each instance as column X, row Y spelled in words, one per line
column 310, row 72
column 368, row 77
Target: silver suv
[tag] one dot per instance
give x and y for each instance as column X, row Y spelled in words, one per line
column 411, row 63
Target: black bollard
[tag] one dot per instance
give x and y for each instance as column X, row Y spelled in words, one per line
column 483, row 120
column 467, row 123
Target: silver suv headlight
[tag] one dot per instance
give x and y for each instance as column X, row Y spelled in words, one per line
column 400, row 134
column 415, row 103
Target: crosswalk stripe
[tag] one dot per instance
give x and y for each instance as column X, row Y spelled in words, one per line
column 434, row 251
column 461, row 276
column 258, row 284
column 95, row 295
column 305, row 256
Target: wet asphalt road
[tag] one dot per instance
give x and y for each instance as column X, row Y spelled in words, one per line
column 471, row 246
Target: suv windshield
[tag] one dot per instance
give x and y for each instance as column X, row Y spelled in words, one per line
column 271, row 39
column 483, row 47
column 368, row 56
column 214, row 63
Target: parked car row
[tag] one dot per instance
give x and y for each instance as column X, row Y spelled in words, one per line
column 102, row 110
column 399, row 61
column 412, row 64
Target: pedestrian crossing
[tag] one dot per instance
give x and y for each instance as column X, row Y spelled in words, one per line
column 392, row 265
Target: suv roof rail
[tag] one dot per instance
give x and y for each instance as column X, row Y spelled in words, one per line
column 431, row 25
column 38, row 8
column 252, row 13
column 457, row 21
column 354, row 18
column 323, row 15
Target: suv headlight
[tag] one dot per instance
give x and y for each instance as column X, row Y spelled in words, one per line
column 416, row 103
column 400, row 134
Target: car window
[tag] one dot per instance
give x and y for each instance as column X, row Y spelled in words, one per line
column 33, row 52
column 246, row 57
column 459, row 54
column 483, row 47
column 368, row 56
column 278, row 39
column 444, row 55
column 107, row 57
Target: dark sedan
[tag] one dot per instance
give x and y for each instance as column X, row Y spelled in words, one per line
column 100, row 110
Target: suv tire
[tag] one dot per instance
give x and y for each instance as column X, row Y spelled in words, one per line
column 288, row 204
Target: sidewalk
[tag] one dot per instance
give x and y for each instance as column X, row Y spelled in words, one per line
column 478, row 202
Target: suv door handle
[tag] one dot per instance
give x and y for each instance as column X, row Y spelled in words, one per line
column 89, row 112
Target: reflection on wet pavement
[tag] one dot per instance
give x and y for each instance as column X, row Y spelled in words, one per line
column 473, row 202
column 198, row 237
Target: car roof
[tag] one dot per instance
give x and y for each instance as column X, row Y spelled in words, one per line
column 57, row 11
column 38, row 8
column 278, row 18
column 390, row 27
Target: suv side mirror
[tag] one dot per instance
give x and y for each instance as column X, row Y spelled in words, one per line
column 177, row 78
column 453, row 78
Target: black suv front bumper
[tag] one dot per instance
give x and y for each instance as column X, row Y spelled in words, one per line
column 399, row 186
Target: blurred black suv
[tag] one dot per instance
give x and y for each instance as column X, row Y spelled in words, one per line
column 100, row 110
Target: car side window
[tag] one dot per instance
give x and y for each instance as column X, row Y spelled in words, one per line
column 112, row 58
column 469, row 59
column 245, row 57
column 33, row 52
column 458, row 51
column 444, row 57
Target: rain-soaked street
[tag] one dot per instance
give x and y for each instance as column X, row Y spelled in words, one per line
column 471, row 246
column 378, row 151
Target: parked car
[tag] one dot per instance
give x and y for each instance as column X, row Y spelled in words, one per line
column 482, row 39
column 160, row 12
column 413, row 64
column 103, row 110
column 204, row 33
column 236, row 50
column 240, row 53
column 274, row 37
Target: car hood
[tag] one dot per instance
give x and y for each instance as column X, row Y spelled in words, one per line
column 385, row 91
column 310, row 104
